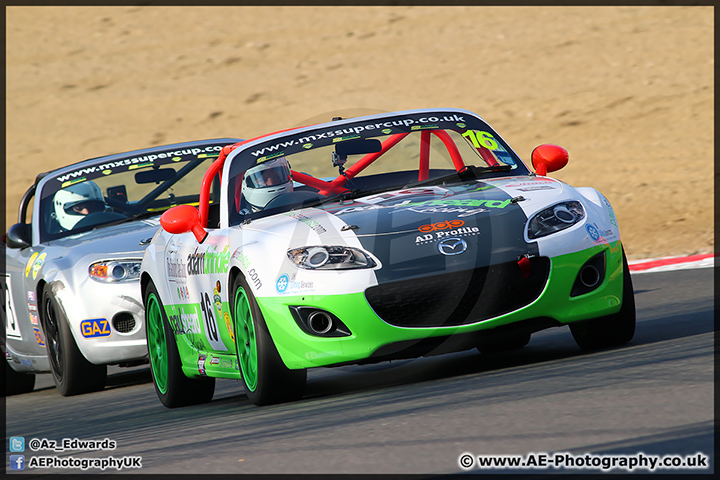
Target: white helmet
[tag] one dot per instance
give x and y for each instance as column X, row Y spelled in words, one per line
column 266, row 181
column 71, row 201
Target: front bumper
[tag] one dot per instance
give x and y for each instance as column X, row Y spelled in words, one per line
column 371, row 338
column 108, row 322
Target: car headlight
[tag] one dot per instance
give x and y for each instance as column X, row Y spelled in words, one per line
column 330, row 258
column 115, row 271
column 556, row 218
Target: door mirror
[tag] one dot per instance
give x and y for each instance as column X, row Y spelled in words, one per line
column 19, row 236
column 183, row 219
column 548, row 158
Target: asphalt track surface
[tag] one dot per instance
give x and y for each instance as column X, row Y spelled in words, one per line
column 653, row 396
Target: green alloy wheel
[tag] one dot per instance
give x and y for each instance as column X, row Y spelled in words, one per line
column 173, row 387
column 267, row 380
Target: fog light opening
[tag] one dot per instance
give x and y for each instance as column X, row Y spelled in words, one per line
column 320, row 322
column 123, row 322
column 589, row 276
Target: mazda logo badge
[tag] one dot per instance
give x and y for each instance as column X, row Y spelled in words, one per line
column 452, row 246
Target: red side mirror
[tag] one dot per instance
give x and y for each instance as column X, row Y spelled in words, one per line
column 183, row 219
column 548, row 158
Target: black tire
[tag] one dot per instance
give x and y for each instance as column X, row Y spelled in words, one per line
column 173, row 387
column 266, row 378
column 504, row 343
column 72, row 372
column 17, row 383
column 611, row 330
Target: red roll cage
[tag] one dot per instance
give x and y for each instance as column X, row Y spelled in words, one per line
column 335, row 186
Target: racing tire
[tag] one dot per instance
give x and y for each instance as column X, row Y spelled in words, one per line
column 610, row 330
column 173, row 387
column 72, row 373
column 266, row 378
column 504, row 344
column 17, row 383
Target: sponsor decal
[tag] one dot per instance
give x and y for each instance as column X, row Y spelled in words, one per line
column 95, row 327
column 611, row 212
column 214, row 360
column 72, row 182
column 461, row 211
column 424, row 127
column 286, row 284
column 465, row 207
column 209, row 262
column 30, row 262
column 533, row 183
column 465, row 202
column 176, row 270
column 254, row 278
column 452, row 246
column 183, row 293
column 229, row 326
column 217, row 300
column 252, row 275
column 226, row 363
column 32, row 307
column 37, row 264
column 30, row 296
column 282, row 283
column 599, row 235
column 448, row 224
column 313, row 224
column 38, row 336
column 386, row 197
column 342, row 139
column 459, row 232
column 539, row 187
column 185, row 321
column 34, row 319
column 201, row 365
column 352, row 131
column 132, row 163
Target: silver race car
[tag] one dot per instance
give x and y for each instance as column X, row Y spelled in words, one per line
column 71, row 284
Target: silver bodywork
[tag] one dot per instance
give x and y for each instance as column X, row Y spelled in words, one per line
column 65, row 269
column 106, row 319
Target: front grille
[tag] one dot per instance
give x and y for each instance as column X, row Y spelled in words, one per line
column 458, row 298
column 123, row 322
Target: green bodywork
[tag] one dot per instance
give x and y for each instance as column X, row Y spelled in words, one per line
column 368, row 332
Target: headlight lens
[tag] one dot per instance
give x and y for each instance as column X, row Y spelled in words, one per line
column 330, row 258
column 556, row 218
column 115, row 271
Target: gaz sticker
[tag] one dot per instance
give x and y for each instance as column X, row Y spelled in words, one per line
column 95, row 327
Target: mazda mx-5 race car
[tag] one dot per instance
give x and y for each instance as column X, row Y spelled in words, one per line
column 374, row 238
column 71, row 291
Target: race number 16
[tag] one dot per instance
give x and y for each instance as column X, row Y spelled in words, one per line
column 481, row 139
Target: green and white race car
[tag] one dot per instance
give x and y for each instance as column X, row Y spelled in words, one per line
column 374, row 238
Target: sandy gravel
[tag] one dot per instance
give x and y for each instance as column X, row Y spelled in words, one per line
column 628, row 91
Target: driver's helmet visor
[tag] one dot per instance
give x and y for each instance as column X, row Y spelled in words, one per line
column 268, row 177
column 84, row 207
